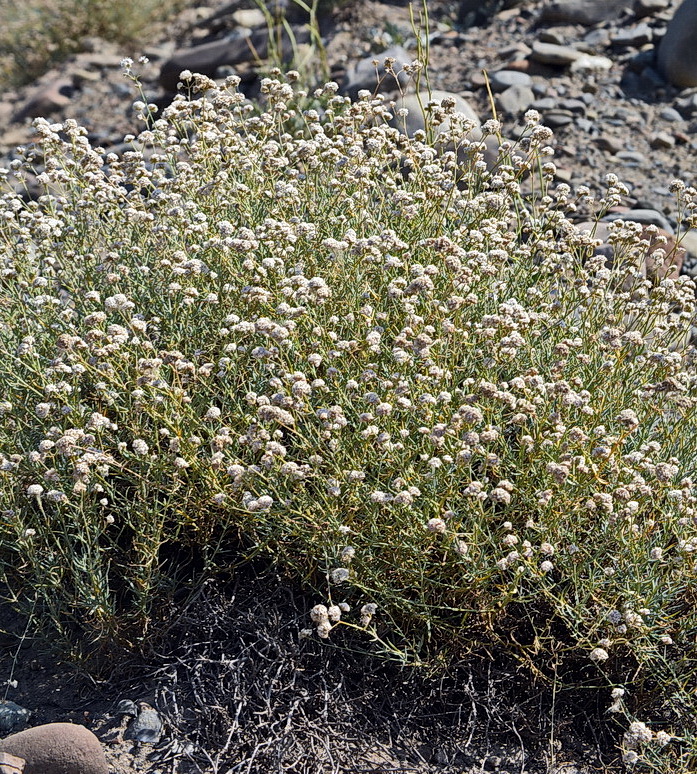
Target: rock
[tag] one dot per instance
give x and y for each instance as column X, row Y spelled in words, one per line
column 649, row 7
column 645, row 216
column 232, row 50
column 249, row 17
column 11, row 764
column 146, row 726
column 504, row 79
column 608, row 143
column 596, row 39
column 674, row 255
column 688, row 240
column 687, row 105
column 632, row 36
column 588, row 63
column 586, row 12
column 57, row 748
column 558, row 118
column 670, row 114
column 516, row 99
column 366, row 75
column 476, row 13
column 47, row 100
column 633, row 158
column 677, row 52
column 414, row 120
column 662, row 140
column 551, row 53
column 12, row 716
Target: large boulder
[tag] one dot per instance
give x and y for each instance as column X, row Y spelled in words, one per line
column 232, row 50
column 677, row 52
column 586, row 12
column 417, row 105
column 57, row 748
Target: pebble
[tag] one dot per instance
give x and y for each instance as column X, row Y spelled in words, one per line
column 670, row 114
column 662, row 140
column 551, row 53
column 504, row 79
column 12, row 716
column 516, row 99
column 590, row 63
column 611, row 144
column 249, row 17
column 557, row 118
column 632, row 37
column 597, row 39
column 633, row 158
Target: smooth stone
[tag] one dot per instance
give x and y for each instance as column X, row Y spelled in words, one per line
column 662, row 140
column 632, row 157
column 414, row 120
column 516, row 99
column 644, row 216
column 597, row 38
column 585, row 12
column 670, row 114
column 57, row 748
column 611, row 144
column 677, row 51
column 504, row 79
column 551, row 53
column 249, row 17
column 558, row 118
column 689, row 241
column 589, row 63
column 634, row 36
column 546, row 103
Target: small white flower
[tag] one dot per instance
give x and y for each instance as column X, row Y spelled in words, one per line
column 139, row 446
column 323, row 629
column 29, row 532
column 35, row 490
column 546, row 566
column 213, row 413
column 598, row 655
column 438, row 526
column 319, row 613
column 339, row 575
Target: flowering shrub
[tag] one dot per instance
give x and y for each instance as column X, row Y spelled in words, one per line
column 404, row 377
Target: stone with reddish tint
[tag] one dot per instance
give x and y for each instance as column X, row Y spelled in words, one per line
column 57, row 748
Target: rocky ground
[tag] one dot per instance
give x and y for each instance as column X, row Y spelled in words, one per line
column 237, row 691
